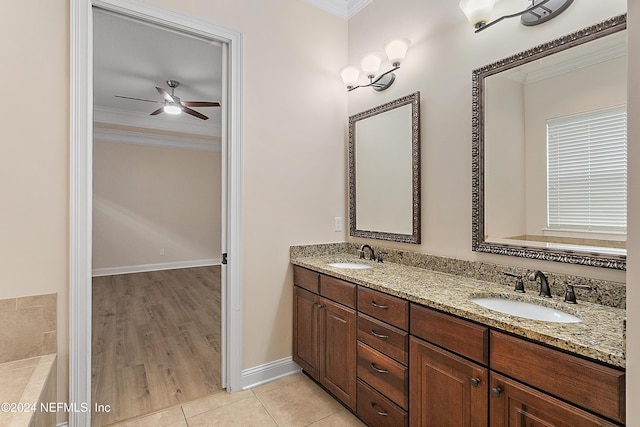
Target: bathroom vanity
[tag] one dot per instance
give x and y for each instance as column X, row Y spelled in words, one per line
column 401, row 345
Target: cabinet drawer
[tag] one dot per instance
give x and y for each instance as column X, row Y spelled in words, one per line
column 531, row 407
column 457, row 335
column 385, row 338
column 306, row 279
column 387, row 308
column 384, row 374
column 338, row 290
column 376, row 410
column 587, row 384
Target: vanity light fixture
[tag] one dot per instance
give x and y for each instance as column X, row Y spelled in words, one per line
column 396, row 50
column 479, row 12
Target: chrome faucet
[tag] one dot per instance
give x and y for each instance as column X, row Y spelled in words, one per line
column 545, row 291
column 372, row 255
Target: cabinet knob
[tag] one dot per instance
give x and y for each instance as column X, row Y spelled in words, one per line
column 475, row 382
column 496, row 391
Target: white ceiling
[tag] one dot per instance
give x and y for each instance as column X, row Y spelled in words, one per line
column 131, row 58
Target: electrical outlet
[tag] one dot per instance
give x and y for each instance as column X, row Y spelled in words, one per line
column 337, row 223
column 162, row 252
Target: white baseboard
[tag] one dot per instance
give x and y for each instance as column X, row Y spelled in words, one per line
column 110, row 271
column 268, row 372
column 63, row 424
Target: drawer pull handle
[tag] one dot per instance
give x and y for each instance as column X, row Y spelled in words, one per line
column 377, row 335
column 375, row 408
column 496, row 391
column 384, row 307
column 475, row 382
column 378, row 370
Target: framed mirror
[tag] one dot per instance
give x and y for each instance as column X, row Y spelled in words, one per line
column 549, row 150
column 384, row 171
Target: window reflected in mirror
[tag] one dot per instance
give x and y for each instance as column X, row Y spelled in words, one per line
column 549, row 153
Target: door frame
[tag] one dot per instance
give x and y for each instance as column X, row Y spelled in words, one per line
column 81, row 191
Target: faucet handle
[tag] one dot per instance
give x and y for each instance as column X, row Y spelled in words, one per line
column 519, row 283
column 570, row 295
column 380, row 253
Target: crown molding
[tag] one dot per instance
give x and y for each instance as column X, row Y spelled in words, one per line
column 342, row 8
column 538, row 72
column 156, row 140
column 161, row 122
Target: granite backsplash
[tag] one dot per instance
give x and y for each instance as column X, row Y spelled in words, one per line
column 612, row 294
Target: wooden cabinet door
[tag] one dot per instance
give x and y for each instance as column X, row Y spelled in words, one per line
column 338, row 351
column 515, row 405
column 445, row 390
column 305, row 330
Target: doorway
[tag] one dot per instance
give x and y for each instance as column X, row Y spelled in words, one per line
column 81, row 192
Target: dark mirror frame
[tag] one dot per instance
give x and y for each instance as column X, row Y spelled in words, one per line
column 414, row 237
column 479, row 244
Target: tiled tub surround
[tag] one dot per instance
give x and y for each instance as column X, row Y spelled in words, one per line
column 599, row 336
column 27, row 360
column 28, row 327
column 24, row 385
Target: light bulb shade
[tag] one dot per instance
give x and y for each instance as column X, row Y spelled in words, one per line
column 478, row 11
column 396, row 50
column 350, row 76
column 371, row 64
column 172, row 109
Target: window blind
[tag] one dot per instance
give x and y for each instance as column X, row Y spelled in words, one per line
column 587, row 171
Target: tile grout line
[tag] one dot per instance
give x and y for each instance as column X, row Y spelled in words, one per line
column 264, row 407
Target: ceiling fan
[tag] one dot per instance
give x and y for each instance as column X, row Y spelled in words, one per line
column 173, row 105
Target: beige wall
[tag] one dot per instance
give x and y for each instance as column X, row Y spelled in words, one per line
column 148, row 198
column 34, row 151
column 293, row 172
column 504, row 159
column 633, row 244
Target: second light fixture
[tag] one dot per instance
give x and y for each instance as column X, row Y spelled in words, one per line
column 396, row 50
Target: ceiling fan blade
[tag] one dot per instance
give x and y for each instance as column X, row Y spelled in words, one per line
column 194, row 113
column 165, row 94
column 138, row 99
column 199, row 104
column 158, row 111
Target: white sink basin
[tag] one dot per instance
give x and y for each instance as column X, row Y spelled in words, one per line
column 526, row 310
column 350, row 265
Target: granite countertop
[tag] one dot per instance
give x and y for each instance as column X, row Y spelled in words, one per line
column 599, row 336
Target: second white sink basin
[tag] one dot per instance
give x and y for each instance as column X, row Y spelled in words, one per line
column 526, row 310
column 349, row 265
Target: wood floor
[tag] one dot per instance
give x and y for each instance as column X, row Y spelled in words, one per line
column 156, row 340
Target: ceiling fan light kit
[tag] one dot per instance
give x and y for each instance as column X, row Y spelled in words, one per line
column 172, row 109
column 172, row 103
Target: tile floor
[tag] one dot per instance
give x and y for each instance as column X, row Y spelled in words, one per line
column 292, row 401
